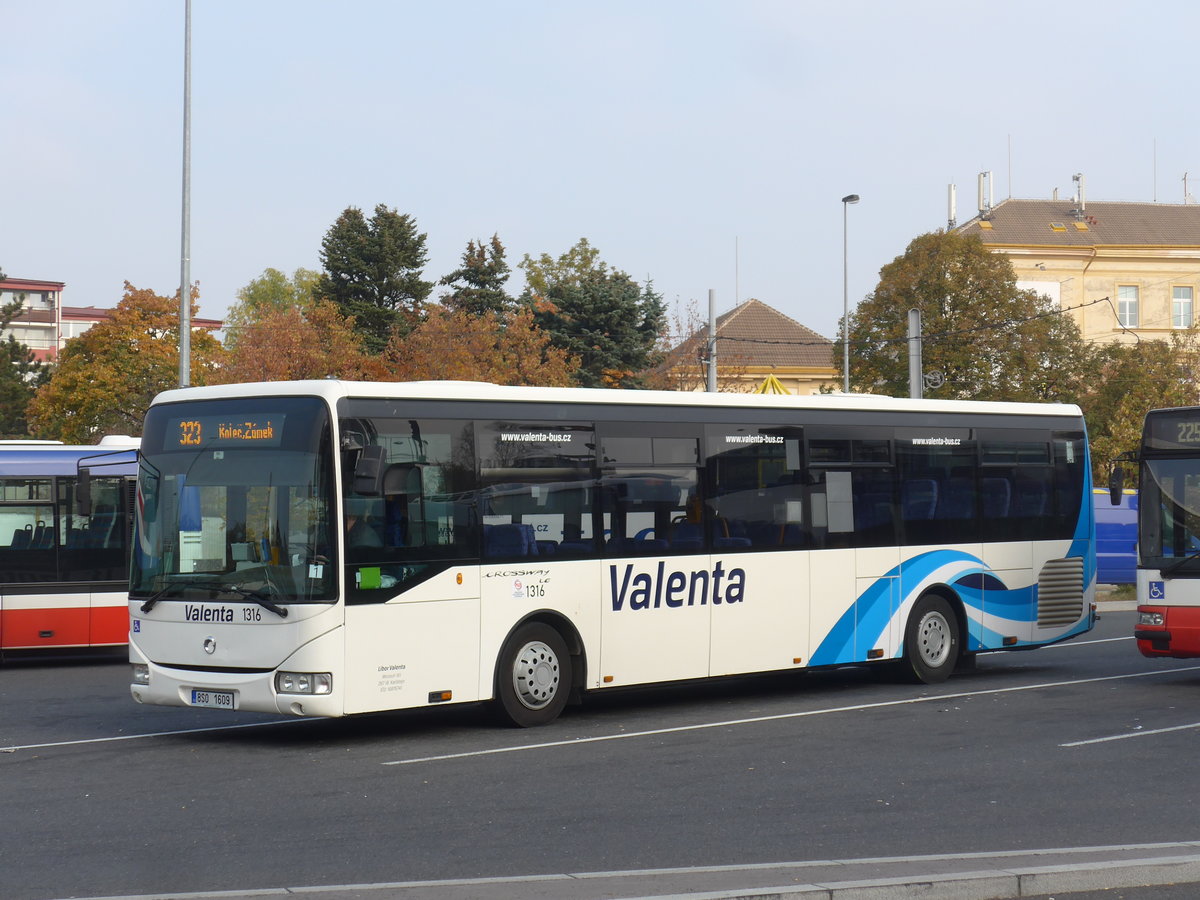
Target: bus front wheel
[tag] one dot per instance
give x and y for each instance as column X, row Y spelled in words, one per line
column 533, row 677
column 931, row 643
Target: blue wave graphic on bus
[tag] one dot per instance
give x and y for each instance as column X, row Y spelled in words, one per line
column 872, row 614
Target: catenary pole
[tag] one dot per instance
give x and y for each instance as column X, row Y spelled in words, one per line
column 185, row 275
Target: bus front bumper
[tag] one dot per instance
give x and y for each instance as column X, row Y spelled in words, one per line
column 1178, row 636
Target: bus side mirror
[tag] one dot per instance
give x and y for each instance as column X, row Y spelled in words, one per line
column 368, row 471
column 83, row 492
column 1116, row 485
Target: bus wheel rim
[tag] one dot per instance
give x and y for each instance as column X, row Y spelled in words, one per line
column 933, row 639
column 536, row 672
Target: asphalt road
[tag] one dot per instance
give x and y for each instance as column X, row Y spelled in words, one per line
column 1085, row 744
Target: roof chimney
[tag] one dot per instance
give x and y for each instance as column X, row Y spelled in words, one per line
column 952, row 207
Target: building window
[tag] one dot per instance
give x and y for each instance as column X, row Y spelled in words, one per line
column 1181, row 307
column 1127, row 305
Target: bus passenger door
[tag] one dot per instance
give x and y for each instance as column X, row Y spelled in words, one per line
column 877, row 633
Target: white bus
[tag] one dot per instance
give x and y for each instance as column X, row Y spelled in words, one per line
column 325, row 548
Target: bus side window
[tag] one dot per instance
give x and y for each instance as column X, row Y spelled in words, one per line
column 755, row 485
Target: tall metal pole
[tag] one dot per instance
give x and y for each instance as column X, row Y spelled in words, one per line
column 185, row 275
column 712, row 342
column 846, row 201
column 916, row 379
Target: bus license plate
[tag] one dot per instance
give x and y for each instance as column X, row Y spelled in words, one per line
column 213, row 699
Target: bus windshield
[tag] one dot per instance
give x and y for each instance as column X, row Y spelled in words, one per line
column 235, row 503
column 1170, row 512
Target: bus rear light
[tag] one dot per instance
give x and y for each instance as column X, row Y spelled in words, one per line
column 304, row 682
column 1151, row 618
column 141, row 673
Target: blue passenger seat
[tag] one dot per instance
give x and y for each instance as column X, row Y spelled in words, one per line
column 996, row 495
column 687, row 536
column 958, row 500
column 918, row 498
column 1030, row 499
column 508, row 541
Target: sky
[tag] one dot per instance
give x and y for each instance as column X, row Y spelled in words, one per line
column 701, row 145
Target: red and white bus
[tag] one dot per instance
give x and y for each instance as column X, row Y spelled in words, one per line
column 1168, row 575
column 64, row 561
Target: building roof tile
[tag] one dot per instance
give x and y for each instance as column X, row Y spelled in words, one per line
column 1061, row 223
column 755, row 334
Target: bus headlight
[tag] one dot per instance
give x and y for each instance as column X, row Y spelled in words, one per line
column 303, row 682
column 1151, row 618
column 141, row 673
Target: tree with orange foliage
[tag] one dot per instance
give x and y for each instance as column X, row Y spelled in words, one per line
column 457, row 346
column 106, row 377
column 291, row 342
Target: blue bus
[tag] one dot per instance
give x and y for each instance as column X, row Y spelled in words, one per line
column 1116, row 537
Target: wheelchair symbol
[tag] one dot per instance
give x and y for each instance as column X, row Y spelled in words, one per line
column 1157, row 591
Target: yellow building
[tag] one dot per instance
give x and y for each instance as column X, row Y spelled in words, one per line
column 1124, row 270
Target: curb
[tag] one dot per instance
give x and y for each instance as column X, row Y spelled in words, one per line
column 984, row 876
column 980, row 885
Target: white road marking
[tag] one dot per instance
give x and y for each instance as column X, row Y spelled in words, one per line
column 1131, row 734
column 138, row 737
column 783, row 716
column 1067, row 645
column 681, row 728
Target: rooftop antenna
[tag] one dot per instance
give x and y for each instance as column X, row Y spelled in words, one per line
column 1010, row 167
column 1080, row 199
column 951, row 207
column 986, row 194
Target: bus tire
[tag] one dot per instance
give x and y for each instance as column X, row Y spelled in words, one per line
column 931, row 641
column 533, row 676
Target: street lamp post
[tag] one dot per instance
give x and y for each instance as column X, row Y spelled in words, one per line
column 846, row 201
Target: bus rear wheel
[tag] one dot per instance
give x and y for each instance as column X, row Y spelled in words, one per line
column 931, row 642
column 533, row 676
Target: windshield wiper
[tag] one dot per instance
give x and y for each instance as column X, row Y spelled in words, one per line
column 1175, row 565
column 256, row 595
column 152, row 601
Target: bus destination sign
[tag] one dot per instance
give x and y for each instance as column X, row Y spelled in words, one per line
column 221, row 431
column 1174, row 430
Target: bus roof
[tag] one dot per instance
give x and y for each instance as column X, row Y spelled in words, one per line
column 333, row 389
column 63, row 459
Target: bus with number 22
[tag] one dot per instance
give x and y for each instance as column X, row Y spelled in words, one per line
column 1168, row 569
column 325, row 548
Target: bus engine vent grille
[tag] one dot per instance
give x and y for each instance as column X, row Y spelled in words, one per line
column 1060, row 592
